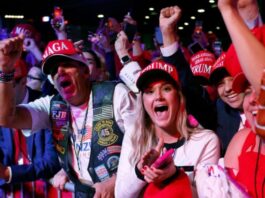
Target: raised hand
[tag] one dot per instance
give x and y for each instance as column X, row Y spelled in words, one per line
column 79, row 45
column 226, row 4
column 150, row 156
column 168, row 18
column 121, row 44
column 10, row 52
column 31, row 46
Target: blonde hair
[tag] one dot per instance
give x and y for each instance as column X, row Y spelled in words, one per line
column 144, row 136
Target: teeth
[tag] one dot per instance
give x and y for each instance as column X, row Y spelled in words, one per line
column 231, row 96
column 254, row 113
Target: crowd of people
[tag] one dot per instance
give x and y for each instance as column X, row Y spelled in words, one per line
column 116, row 120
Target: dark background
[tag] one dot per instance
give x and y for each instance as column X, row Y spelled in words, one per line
column 82, row 15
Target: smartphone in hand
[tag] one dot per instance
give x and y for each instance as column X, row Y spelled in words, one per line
column 130, row 29
column 150, row 158
column 57, row 17
column 164, row 159
column 195, row 47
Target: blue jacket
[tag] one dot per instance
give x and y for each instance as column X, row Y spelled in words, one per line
column 228, row 120
column 41, row 152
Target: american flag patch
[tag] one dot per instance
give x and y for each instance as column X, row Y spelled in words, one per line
column 103, row 112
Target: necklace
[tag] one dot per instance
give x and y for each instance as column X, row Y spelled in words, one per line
column 81, row 132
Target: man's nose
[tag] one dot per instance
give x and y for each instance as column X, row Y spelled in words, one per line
column 60, row 69
column 228, row 86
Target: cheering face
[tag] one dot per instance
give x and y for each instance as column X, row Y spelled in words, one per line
column 93, row 69
column 70, row 80
column 161, row 102
column 250, row 106
column 34, row 78
column 227, row 94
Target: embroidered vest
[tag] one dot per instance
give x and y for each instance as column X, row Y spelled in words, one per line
column 106, row 135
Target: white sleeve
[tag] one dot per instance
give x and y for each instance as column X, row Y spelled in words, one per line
column 39, row 110
column 211, row 151
column 126, row 107
column 129, row 75
column 169, row 50
column 127, row 183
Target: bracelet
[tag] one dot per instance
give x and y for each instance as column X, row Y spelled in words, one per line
column 7, row 77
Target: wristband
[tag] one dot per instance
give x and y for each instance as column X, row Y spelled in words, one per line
column 139, row 174
column 7, row 77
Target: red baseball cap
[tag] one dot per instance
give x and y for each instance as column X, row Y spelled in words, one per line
column 218, row 70
column 21, row 69
column 157, row 69
column 59, row 50
column 200, row 65
column 233, row 66
column 28, row 30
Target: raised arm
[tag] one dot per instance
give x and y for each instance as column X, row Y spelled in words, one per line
column 168, row 19
column 251, row 52
column 10, row 116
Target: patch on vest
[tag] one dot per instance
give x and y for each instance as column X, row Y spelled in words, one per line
column 109, row 151
column 102, row 172
column 113, row 162
column 106, row 136
column 60, row 148
column 59, row 120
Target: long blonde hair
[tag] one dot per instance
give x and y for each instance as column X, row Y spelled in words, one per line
column 144, row 137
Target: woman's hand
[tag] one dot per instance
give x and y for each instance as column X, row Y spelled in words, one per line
column 157, row 175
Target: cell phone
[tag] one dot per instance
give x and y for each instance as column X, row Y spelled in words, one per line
column 93, row 37
column 217, row 48
column 195, row 47
column 130, row 30
column 198, row 27
column 164, row 159
column 57, row 17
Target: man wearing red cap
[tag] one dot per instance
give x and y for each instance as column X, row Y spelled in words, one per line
column 25, row 159
column 87, row 120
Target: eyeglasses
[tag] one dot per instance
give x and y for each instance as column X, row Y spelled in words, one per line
column 33, row 78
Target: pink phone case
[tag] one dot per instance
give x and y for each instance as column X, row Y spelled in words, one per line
column 163, row 160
